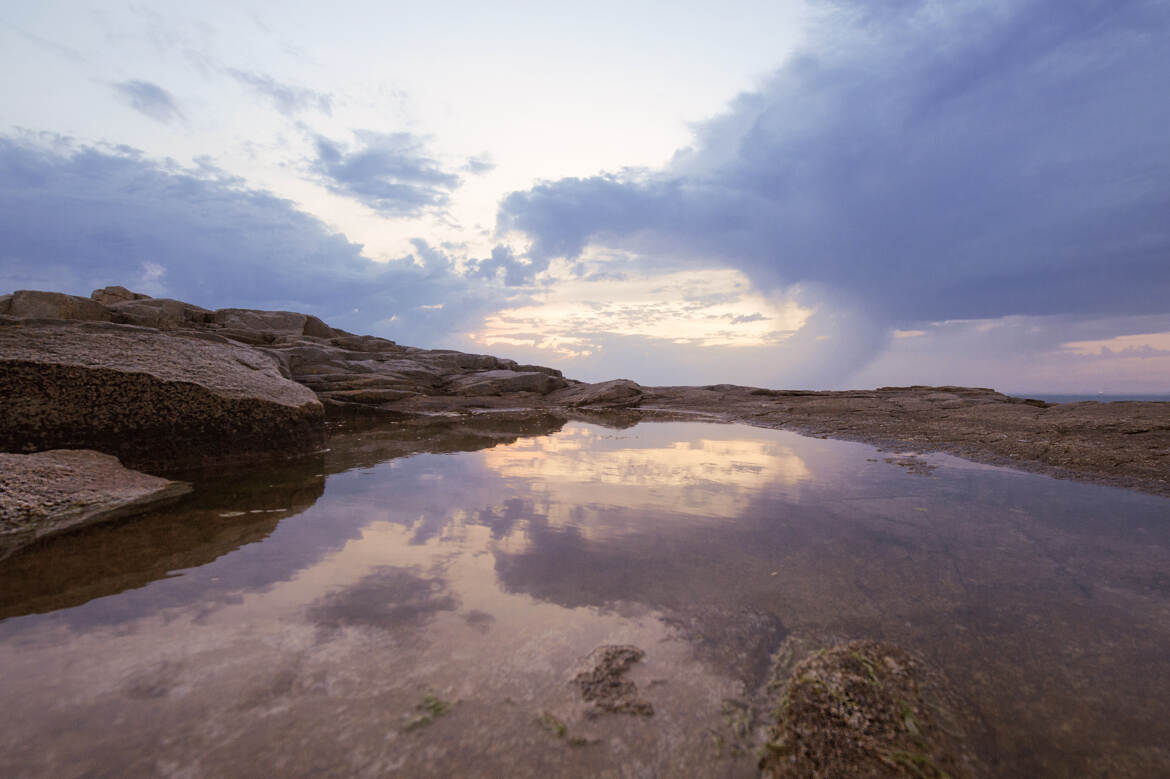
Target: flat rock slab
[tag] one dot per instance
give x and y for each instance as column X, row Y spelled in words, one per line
column 62, row 489
column 147, row 395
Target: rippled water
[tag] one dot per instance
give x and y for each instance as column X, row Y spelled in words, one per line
column 314, row 620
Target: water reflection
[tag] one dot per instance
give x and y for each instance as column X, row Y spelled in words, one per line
column 72, row 569
column 699, row 476
column 229, row 511
column 302, row 641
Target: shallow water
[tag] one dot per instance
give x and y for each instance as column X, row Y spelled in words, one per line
column 304, row 621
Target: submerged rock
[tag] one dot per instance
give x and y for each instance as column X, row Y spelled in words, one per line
column 147, row 395
column 864, row 709
column 605, row 686
column 50, row 492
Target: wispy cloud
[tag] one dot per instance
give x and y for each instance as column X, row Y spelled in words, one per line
column 288, row 99
column 149, row 100
column 1142, row 345
column 67, row 52
column 480, row 164
column 388, row 172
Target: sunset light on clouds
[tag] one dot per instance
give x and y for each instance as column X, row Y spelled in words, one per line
column 708, row 308
column 784, row 194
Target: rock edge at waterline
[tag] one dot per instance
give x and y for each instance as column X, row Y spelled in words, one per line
column 63, row 489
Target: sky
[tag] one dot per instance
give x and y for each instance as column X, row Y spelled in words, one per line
column 786, row 194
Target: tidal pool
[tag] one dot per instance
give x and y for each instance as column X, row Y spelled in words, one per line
column 418, row 604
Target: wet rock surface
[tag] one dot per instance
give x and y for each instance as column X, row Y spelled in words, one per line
column 55, row 491
column 865, row 709
column 605, row 686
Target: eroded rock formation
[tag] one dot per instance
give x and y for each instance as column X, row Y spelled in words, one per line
column 351, row 374
column 146, row 395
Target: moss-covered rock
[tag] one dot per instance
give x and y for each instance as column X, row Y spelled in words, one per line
column 864, row 709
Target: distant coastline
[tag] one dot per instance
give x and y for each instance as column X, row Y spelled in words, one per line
column 1099, row 397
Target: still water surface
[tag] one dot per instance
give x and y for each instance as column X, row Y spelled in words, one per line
column 304, row 621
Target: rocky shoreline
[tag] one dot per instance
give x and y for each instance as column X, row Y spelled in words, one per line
column 168, row 386
column 91, row 388
column 1122, row 444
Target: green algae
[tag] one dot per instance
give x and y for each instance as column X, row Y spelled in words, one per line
column 553, row 724
column 427, row 711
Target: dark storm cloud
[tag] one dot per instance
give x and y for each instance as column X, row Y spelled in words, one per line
column 149, row 100
column 920, row 162
column 76, row 218
column 389, row 172
column 288, row 99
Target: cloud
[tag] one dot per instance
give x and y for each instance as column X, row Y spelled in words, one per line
column 389, row 172
column 74, row 218
column 516, row 272
column 61, row 50
column 1064, row 353
column 918, row 162
column 149, row 100
column 708, row 311
column 480, row 164
column 288, row 99
column 1141, row 345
